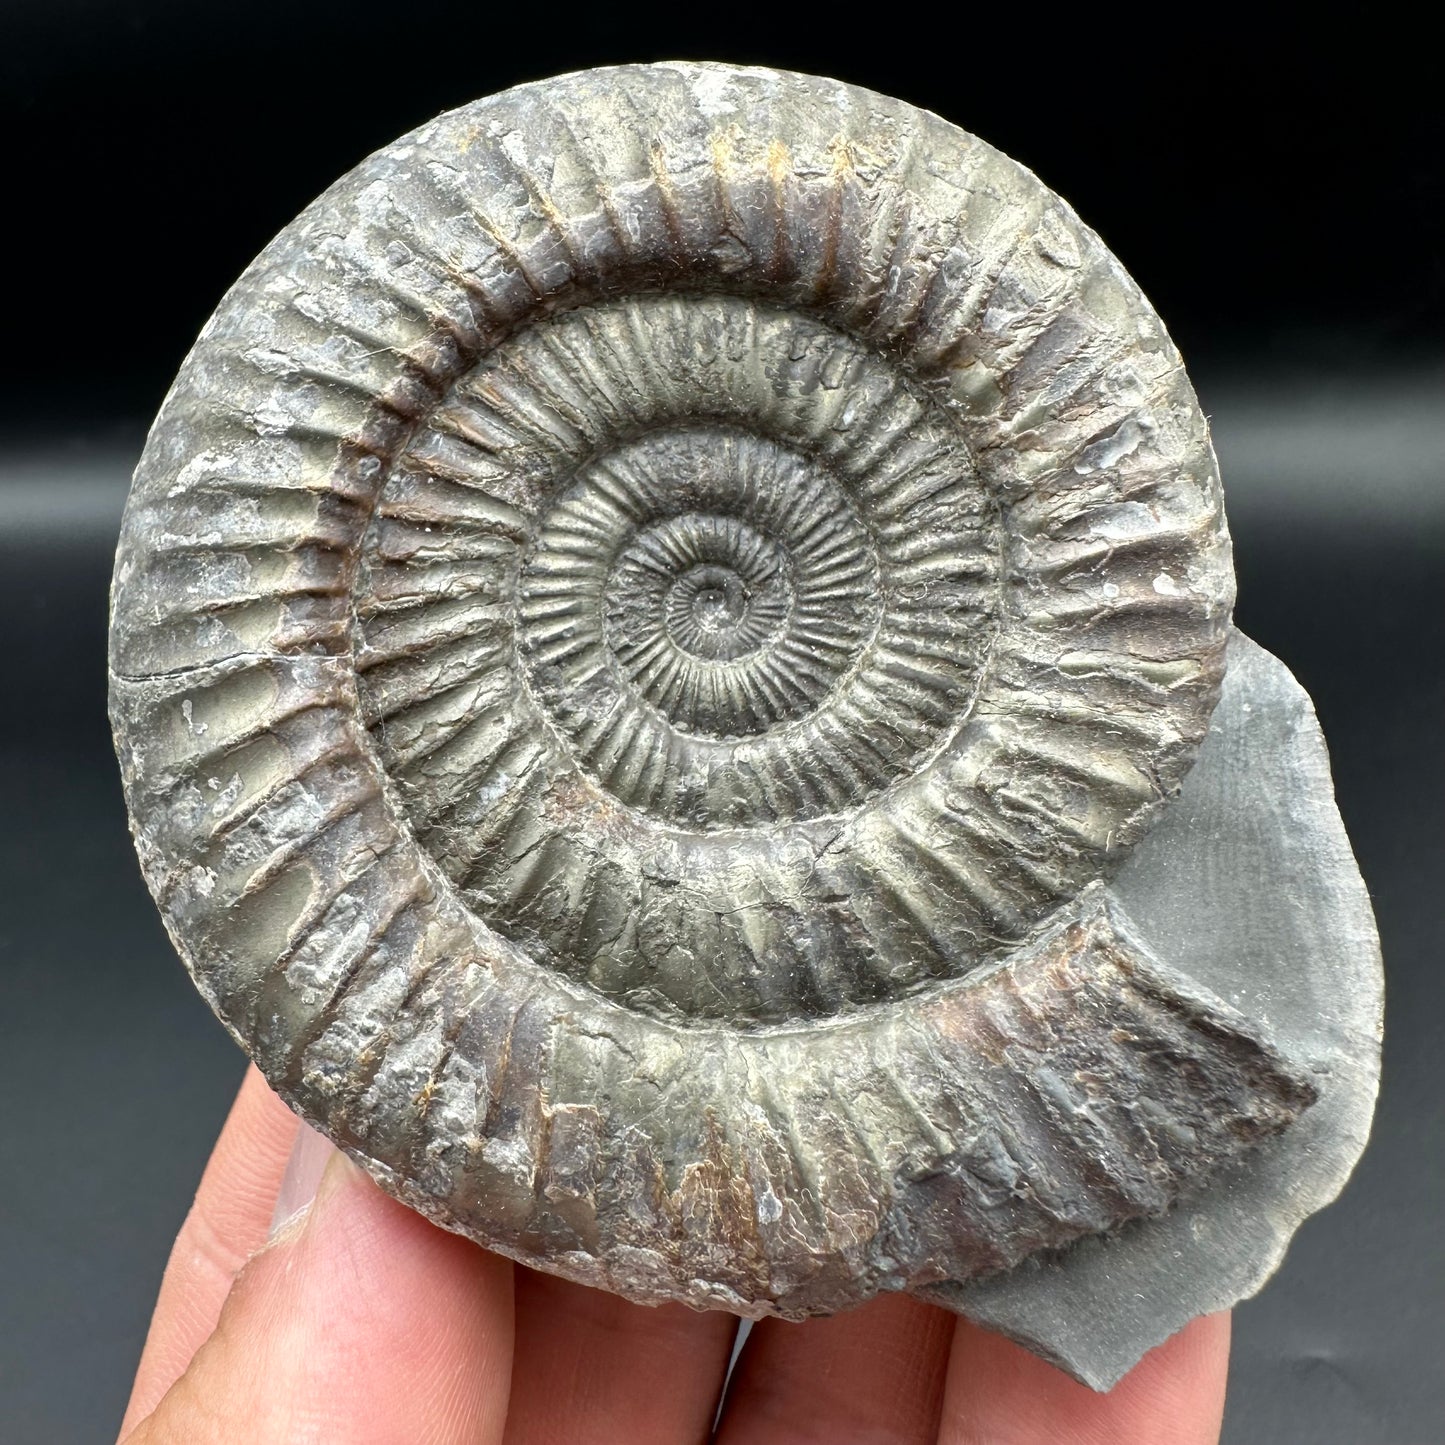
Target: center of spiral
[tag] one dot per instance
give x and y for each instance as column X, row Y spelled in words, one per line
column 717, row 584
column 707, row 608
column 695, row 607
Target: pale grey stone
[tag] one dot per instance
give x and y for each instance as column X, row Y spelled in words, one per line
column 1248, row 885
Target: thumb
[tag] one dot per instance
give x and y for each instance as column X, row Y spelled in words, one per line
column 358, row 1322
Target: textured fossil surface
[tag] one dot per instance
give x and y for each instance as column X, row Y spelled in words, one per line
column 639, row 630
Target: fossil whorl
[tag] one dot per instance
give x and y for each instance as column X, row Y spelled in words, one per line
column 639, row 600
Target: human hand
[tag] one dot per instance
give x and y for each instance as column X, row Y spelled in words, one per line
column 358, row 1323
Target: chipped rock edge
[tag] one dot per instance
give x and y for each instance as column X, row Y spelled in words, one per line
column 1248, row 884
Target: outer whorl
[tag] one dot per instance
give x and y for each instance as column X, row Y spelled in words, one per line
column 640, row 620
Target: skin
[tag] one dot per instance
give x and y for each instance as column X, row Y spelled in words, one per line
column 358, row 1323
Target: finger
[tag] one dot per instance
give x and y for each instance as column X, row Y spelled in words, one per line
column 362, row 1323
column 590, row 1366
column 871, row 1376
column 999, row 1394
column 227, row 1222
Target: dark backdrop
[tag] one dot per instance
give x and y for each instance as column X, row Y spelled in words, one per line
column 1278, row 194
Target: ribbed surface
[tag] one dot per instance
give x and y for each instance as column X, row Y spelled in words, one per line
column 667, row 547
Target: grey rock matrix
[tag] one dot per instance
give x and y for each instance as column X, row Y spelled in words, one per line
column 643, row 630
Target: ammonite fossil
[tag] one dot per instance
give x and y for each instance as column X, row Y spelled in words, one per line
column 642, row 631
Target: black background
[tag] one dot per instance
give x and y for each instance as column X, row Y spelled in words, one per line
column 1276, row 190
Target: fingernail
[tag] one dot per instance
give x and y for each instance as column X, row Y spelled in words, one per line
column 310, row 1153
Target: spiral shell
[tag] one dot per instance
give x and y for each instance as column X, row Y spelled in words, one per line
column 640, row 601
